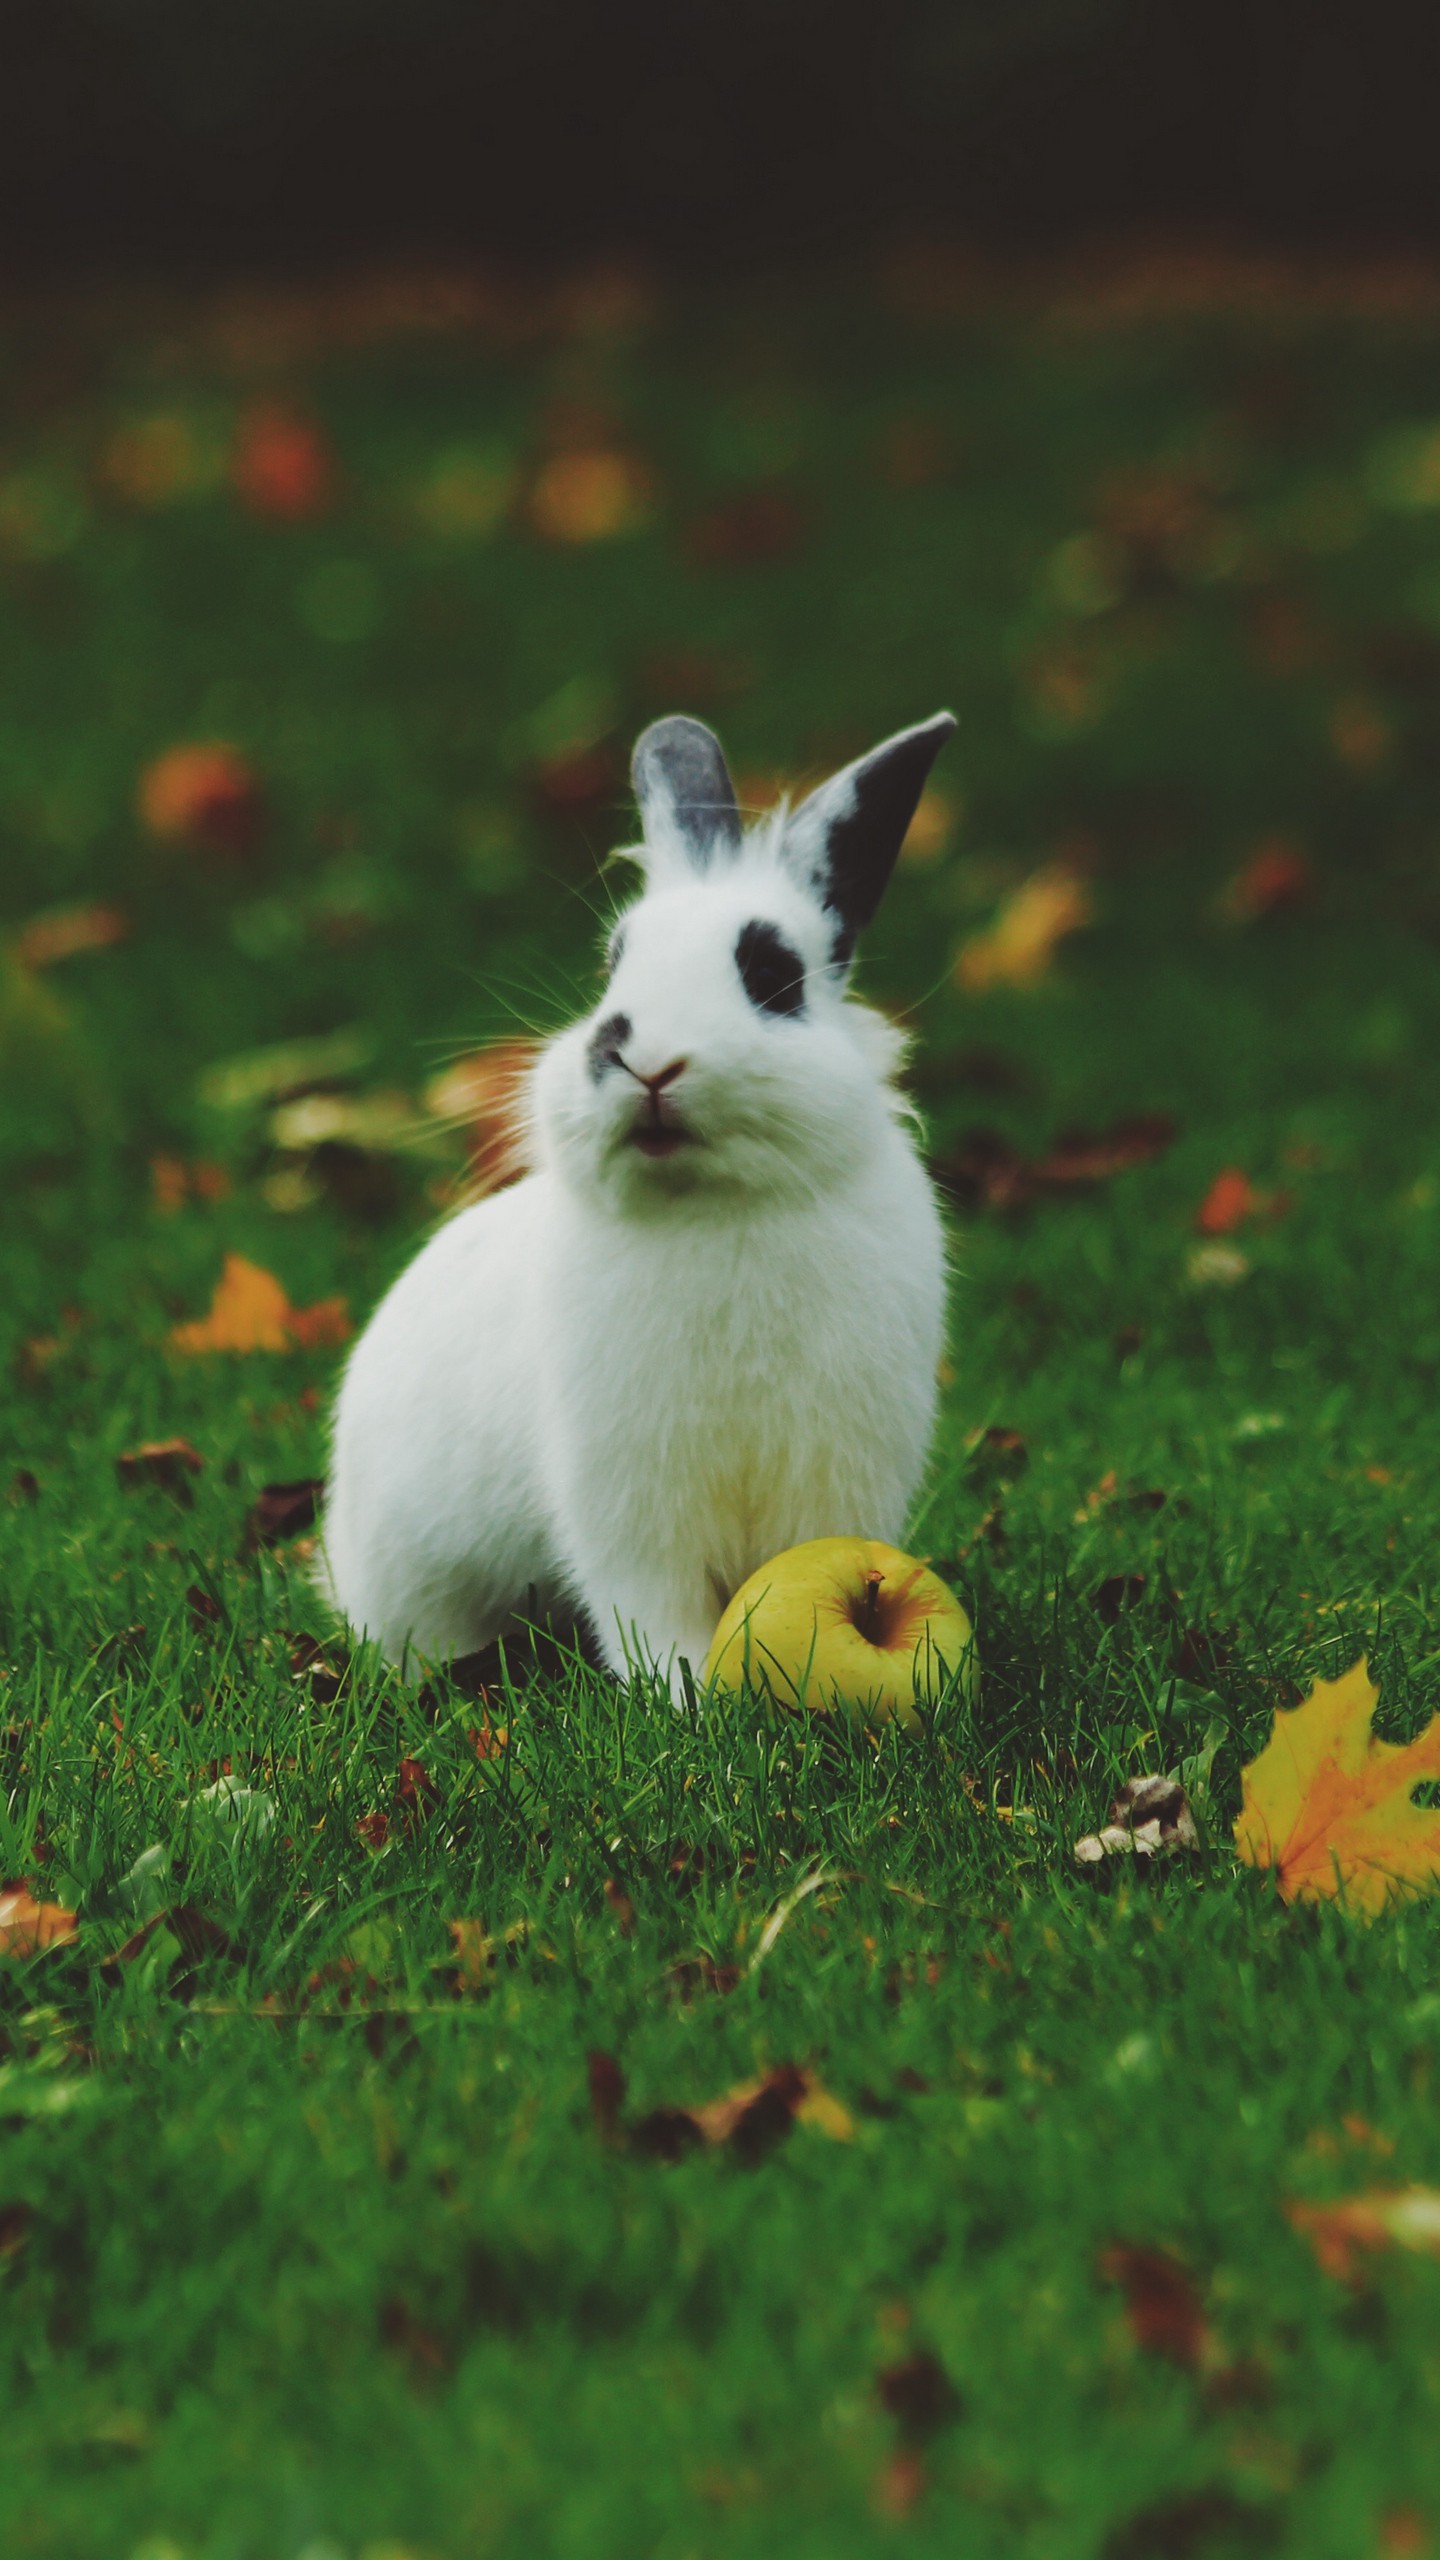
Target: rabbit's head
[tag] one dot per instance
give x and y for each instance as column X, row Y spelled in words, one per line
column 725, row 1055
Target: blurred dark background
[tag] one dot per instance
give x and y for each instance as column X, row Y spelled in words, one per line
column 264, row 133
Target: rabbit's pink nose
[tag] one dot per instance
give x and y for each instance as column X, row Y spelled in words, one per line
column 667, row 1075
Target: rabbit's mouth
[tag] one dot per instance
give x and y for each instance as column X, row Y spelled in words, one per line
column 659, row 1137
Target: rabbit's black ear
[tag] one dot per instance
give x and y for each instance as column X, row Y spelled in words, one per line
column 843, row 841
column 687, row 799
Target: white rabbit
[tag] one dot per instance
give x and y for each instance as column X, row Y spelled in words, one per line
column 706, row 1326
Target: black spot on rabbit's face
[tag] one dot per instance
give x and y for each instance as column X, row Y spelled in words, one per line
column 605, row 1044
column 772, row 973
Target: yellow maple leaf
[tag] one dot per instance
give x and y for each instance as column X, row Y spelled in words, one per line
column 250, row 1312
column 1327, row 1805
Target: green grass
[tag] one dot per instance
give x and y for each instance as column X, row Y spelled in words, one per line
column 349, row 2268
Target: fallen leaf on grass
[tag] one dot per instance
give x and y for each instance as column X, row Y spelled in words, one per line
column 620, row 1906
column 1404, row 2534
column 474, row 1954
column 28, row 1927
column 592, row 496
column 196, row 1936
column 408, row 2337
column 62, row 932
column 1328, row 1806
column 1345, row 2234
column 250, row 1312
column 1079, row 1159
column 690, row 1975
column 919, row 2395
column 283, row 468
column 1233, row 1200
column 206, row 794
column 1163, row 2309
column 759, row 526
column 15, row 2221
column 1148, row 1815
column 1109, row 1494
column 488, row 1741
column 168, row 1463
column 1118, row 1591
column 415, row 1791
column 1017, row 949
column 1276, row 879
column 997, row 1455
column 173, row 1182
column 284, row 1511
column 987, row 1171
column 749, row 2120
column 321, row 1668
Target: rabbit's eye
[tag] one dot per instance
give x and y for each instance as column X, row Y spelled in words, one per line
column 772, row 974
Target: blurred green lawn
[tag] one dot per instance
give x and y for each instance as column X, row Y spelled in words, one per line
column 313, row 2245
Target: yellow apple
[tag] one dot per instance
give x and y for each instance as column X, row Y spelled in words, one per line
column 848, row 1623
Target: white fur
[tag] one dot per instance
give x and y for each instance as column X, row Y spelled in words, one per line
column 629, row 1381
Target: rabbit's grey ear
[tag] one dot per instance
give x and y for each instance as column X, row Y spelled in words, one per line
column 687, row 799
column 843, row 841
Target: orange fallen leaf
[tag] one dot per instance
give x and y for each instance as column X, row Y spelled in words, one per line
column 61, row 932
column 1328, row 1806
column 27, row 1927
column 173, row 1182
column 282, row 468
column 1231, row 1199
column 1017, row 949
column 205, row 794
column 250, row 1312
column 590, row 496
column 1276, row 879
column 1360, row 734
column 1342, row 2234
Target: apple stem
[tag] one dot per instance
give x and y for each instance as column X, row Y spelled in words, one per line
column 868, row 1620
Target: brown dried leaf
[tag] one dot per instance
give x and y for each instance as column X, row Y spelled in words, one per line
column 61, row 932
column 919, row 2395
column 987, row 1171
column 607, row 2094
column 15, row 2221
column 168, row 1463
column 1161, row 2304
column 760, row 525
column 198, row 1936
column 283, row 1511
column 205, row 795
